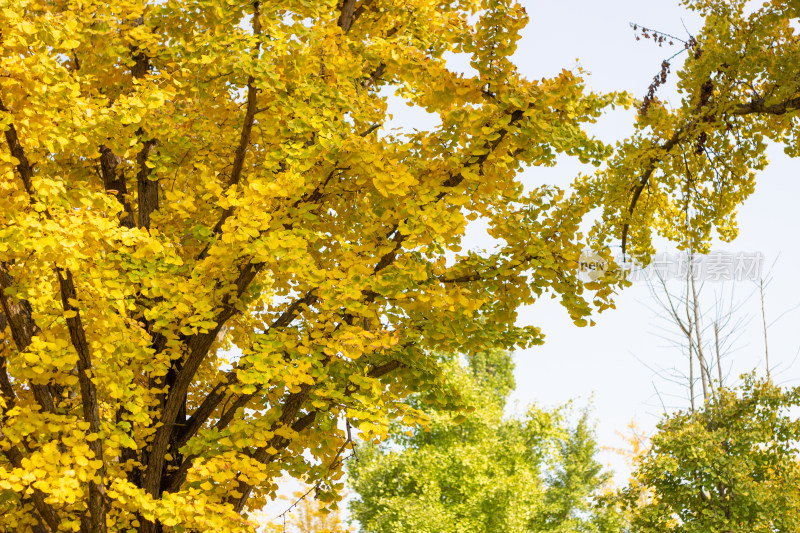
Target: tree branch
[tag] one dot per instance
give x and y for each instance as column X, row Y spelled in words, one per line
column 247, row 129
column 148, row 189
column 346, row 17
column 213, row 399
column 760, row 106
column 293, row 402
column 19, row 316
column 44, row 509
column 250, row 113
column 20, row 322
column 646, row 175
column 116, row 184
column 374, row 77
column 292, row 406
column 198, row 346
column 362, row 9
column 14, row 456
column 23, row 166
column 453, row 180
column 89, row 402
column 757, row 106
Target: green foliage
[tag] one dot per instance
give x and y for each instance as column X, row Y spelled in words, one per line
column 487, row 473
column 493, row 373
column 576, row 477
column 731, row 466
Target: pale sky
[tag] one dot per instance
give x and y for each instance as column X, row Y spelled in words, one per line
column 610, row 361
column 621, row 362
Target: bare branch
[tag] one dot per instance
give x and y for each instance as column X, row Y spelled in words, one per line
column 764, row 319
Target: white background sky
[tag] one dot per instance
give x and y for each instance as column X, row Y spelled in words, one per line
column 615, row 362
column 620, row 363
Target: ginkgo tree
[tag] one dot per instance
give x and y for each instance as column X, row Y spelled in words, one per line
column 686, row 168
column 216, row 261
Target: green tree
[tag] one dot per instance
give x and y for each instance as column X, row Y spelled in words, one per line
column 731, row 466
column 481, row 471
column 575, row 479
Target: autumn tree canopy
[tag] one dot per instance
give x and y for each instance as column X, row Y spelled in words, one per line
column 687, row 167
column 215, row 260
column 212, row 255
